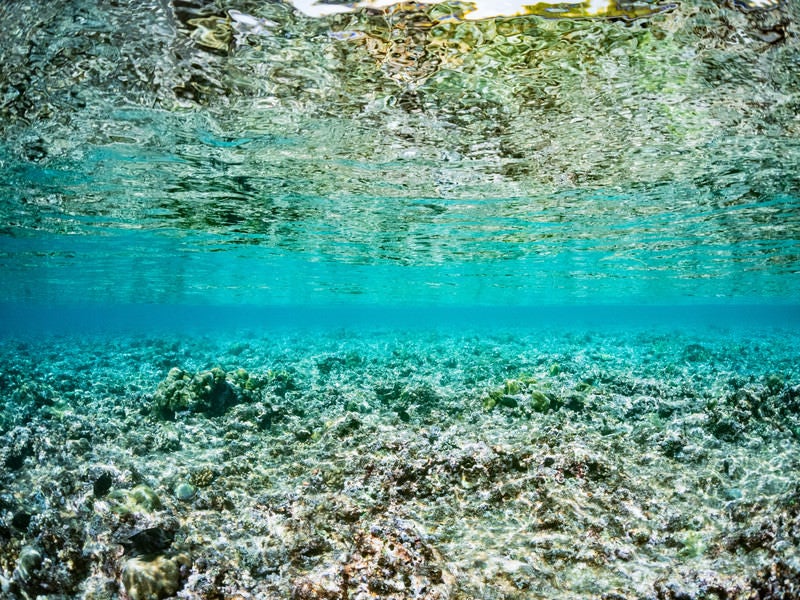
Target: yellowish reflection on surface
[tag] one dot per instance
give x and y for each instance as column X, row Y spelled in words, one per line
column 485, row 9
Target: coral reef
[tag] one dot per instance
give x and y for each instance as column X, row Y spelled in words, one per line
column 153, row 578
column 382, row 464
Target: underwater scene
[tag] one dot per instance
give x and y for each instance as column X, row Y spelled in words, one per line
column 331, row 300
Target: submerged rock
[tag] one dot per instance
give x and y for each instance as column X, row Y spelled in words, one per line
column 20, row 520
column 29, row 560
column 102, row 485
column 142, row 498
column 152, row 540
column 209, row 392
column 392, row 560
column 696, row 353
column 185, row 491
column 778, row 581
column 539, row 401
column 526, row 394
column 153, row 578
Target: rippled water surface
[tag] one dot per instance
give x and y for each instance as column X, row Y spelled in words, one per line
column 237, row 152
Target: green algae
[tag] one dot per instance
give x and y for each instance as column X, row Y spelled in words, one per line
column 141, row 498
column 526, row 392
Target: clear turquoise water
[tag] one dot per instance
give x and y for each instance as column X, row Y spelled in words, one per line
column 538, row 163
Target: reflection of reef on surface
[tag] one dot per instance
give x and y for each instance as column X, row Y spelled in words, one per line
column 495, row 107
column 489, row 9
column 459, row 465
column 403, row 136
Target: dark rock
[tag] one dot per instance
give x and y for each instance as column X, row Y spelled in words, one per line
column 696, row 353
column 302, row 435
column 779, row 581
column 16, row 460
column 508, row 401
column 575, row 401
column 63, row 565
column 281, row 382
column 387, row 558
column 153, row 540
column 102, row 485
column 21, row 520
column 725, row 428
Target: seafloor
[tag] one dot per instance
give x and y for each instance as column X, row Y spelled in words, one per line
column 652, row 464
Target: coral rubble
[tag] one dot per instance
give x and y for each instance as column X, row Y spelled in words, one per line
column 372, row 464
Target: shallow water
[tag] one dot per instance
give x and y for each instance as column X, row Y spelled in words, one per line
column 397, row 156
column 396, row 303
